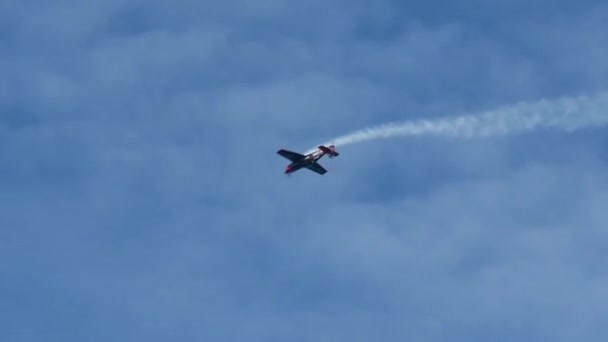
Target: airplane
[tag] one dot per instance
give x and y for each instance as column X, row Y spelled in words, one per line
column 308, row 161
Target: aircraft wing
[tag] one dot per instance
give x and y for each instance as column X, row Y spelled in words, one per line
column 293, row 156
column 316, row 167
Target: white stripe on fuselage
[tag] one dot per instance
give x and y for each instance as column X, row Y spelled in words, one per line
column 316, row 155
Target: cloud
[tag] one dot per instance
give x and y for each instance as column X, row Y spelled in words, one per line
column 483, row 257
column 142, row 198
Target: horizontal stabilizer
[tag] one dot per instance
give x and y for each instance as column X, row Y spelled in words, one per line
column 329, row 150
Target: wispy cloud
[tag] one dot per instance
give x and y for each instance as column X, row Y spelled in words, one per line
column 143, row 199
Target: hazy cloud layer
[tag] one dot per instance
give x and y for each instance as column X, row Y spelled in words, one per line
column 143, row 200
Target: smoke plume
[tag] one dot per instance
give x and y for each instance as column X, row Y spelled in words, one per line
column 566, row 113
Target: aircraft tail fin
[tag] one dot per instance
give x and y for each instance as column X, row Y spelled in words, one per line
column 331, row 150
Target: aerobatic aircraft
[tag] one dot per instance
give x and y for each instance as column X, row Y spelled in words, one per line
column 308, row 161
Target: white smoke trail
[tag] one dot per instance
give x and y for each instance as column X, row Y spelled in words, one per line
column 566, row 113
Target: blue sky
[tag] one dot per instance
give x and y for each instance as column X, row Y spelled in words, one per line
column 142, row 199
